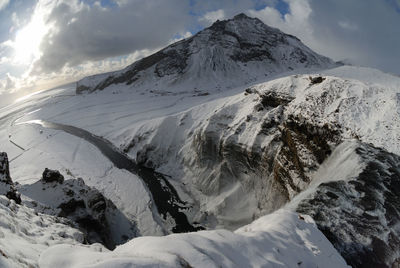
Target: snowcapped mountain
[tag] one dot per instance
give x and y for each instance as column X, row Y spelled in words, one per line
column 228, row 54
column 239, row 128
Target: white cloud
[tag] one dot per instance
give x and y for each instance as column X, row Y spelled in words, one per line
column 4, row 4
column 82, row 32
column 347, row 25
column 83, row 38
column 8, row 84
column 212, row 16
column 362, row 31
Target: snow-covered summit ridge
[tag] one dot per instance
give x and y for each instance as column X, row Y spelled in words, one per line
column 229, row 53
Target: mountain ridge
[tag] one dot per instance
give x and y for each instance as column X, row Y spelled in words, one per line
column 227, row 54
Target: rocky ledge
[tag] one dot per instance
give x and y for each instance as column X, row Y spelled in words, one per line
column 86, row 208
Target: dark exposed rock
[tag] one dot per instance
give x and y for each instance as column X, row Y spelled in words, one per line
column 316, row 80
column 276, row 172
column 304, row 148
column 361, row 216
column 50, row 175
column 273, row 99
column 70, row 207
column 7, row 186
column 90, row 213
column 84, row 206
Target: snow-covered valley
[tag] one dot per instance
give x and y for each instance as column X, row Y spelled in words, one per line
column 299, row 168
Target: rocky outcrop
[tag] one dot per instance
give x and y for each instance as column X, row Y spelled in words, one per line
column 7, row 186
column 86, row 208
column 50, row 175
column 274, row 167
column 361, row 216
column 304, row 148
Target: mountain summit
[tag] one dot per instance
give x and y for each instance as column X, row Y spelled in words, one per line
column 229, row 53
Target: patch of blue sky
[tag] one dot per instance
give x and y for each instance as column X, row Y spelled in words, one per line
column 395, row 4
column 103, row 3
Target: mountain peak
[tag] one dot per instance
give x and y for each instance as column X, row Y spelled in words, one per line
column 227, row 54
column 242, row 16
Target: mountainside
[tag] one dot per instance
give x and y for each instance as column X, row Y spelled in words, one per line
column 229, row 53
column 292, row 167
column 360, row 214
column 249, row 154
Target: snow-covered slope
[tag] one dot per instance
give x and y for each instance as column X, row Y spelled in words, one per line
column 233, row 153
column 229, row 53
column 281, row 239
column 250, row 153
column 25, row 234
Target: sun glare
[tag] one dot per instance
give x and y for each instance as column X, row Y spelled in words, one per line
column 28, row 40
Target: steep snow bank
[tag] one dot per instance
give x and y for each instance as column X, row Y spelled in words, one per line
column 281, row 239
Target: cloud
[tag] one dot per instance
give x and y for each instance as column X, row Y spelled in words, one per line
column 8, row 84
column 82, row 32
column 364, row 31
column 212, row 16
column 82, row 37
column 4, row 4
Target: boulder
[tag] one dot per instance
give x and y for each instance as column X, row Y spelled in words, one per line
column 50, row 175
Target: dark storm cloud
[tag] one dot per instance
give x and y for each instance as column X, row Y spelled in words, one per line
column 365, row 32
column 88, row 32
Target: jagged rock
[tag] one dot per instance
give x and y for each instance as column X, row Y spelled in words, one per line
column 7, row 186
column 361, row 216
column 86, row 208
column 50, row 175
column 304, row 147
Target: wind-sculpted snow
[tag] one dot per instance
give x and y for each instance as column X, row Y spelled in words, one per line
column 360, row 214
column 282, row 239
column 229, row 53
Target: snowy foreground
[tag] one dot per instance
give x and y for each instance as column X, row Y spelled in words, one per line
column 281, row 239
column 364, row 103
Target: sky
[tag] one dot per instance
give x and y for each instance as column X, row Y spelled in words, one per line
column 45, row 43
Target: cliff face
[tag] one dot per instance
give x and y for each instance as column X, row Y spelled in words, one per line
column 7, row 186
column 361, row 215
column 229, row 53
column 307, row 142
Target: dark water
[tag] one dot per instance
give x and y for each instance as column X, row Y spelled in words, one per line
column 164, row 195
